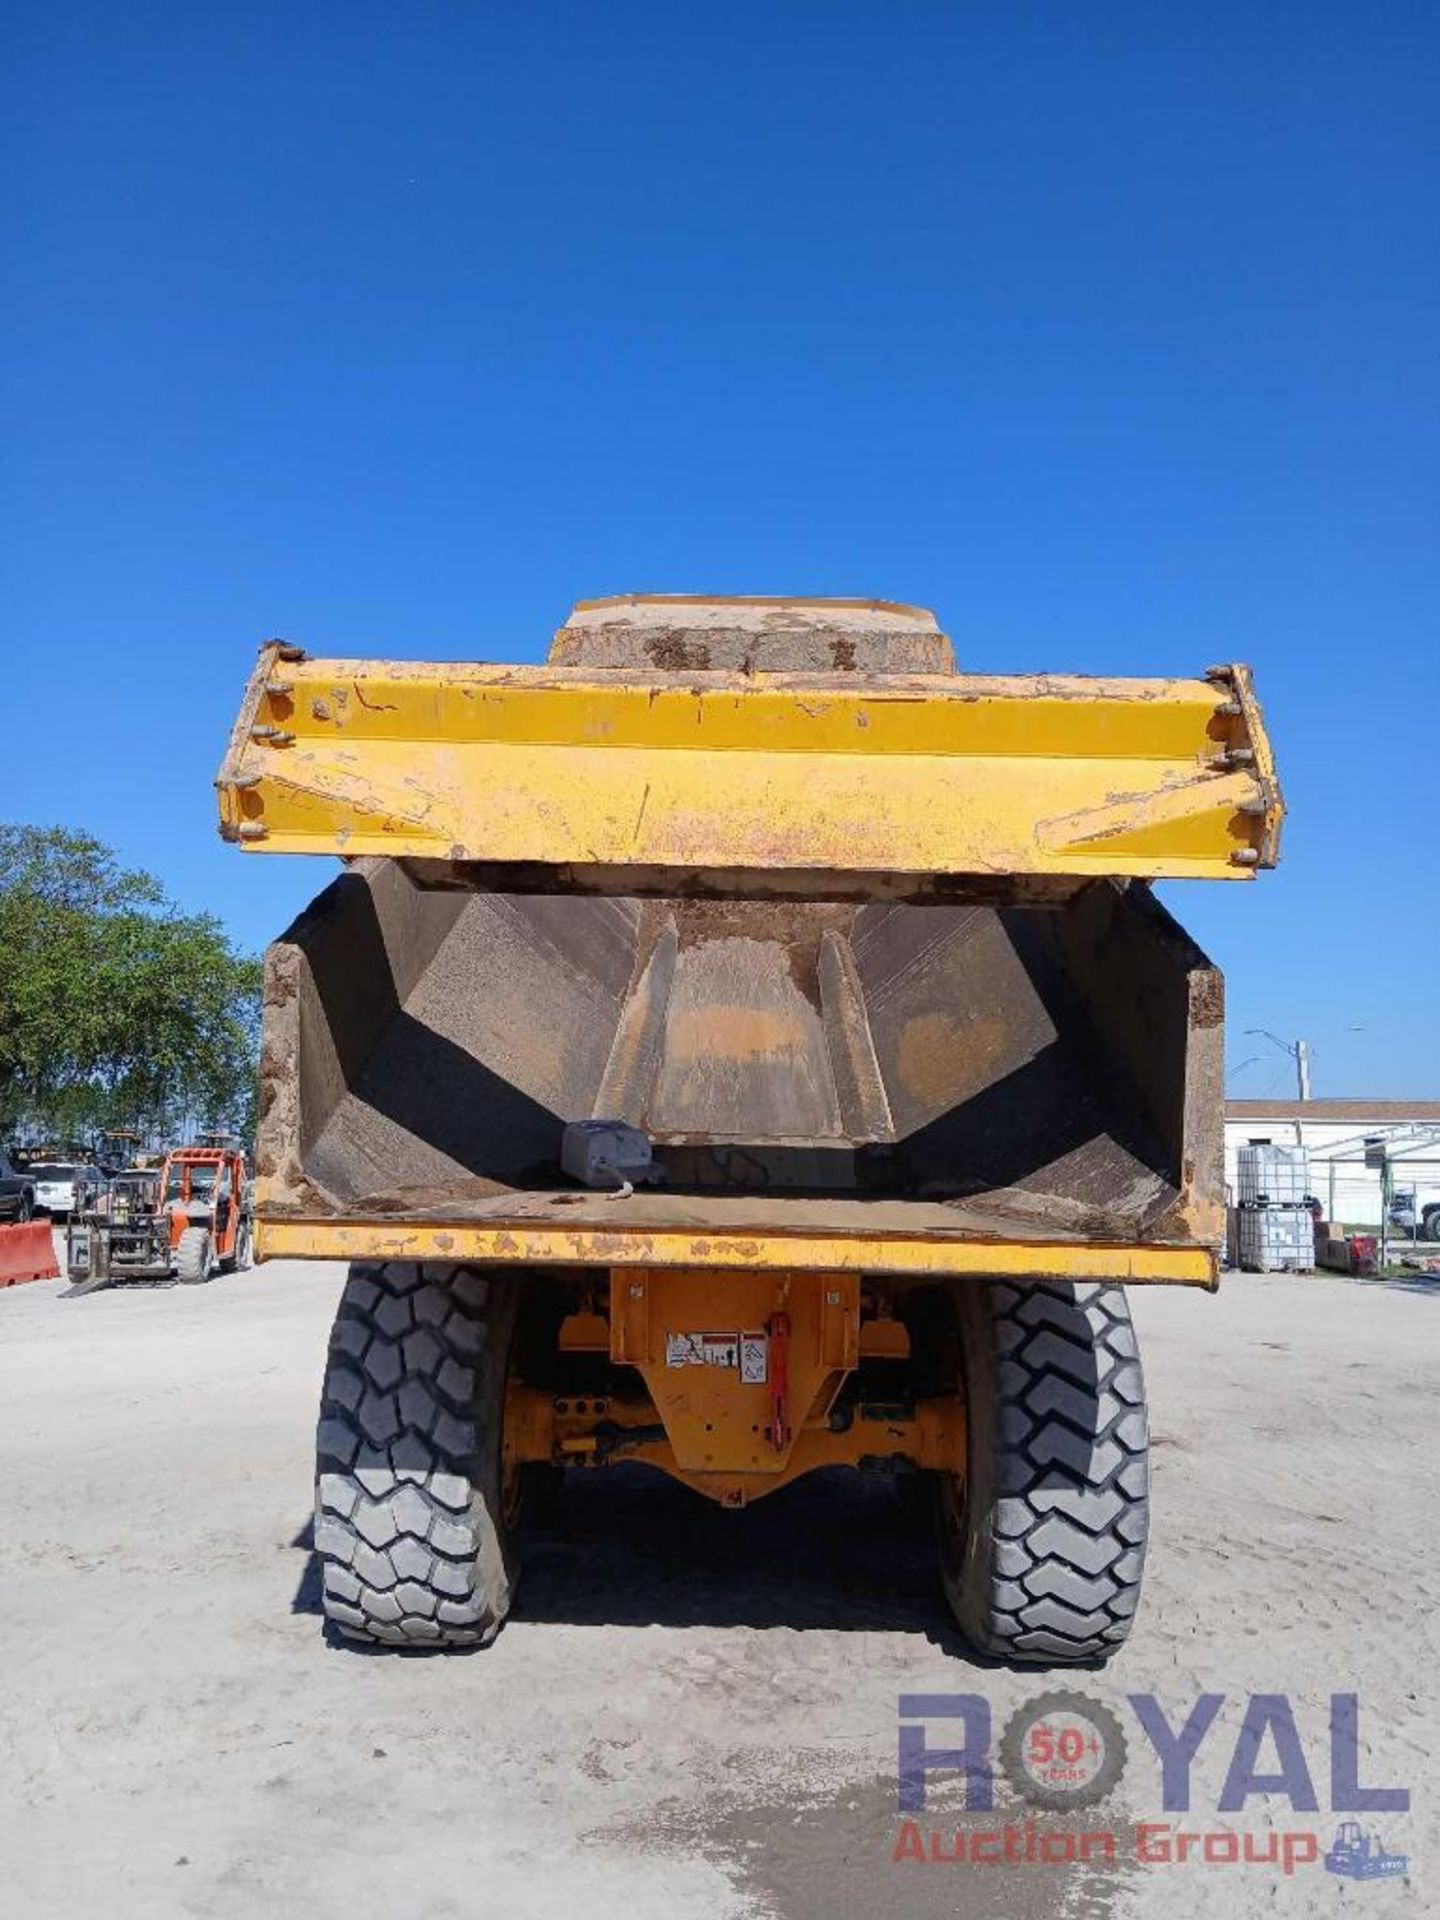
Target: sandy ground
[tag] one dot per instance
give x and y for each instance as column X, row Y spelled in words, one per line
column 693, row 1714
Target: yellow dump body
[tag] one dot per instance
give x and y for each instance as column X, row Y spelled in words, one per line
column 866, row 946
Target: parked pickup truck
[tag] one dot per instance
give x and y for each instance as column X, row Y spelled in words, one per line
column 17, row 1190
column 1417, row 1210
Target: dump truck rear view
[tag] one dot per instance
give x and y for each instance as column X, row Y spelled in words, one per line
column 743, row 1045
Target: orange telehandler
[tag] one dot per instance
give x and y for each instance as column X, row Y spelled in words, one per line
column 189, row 1217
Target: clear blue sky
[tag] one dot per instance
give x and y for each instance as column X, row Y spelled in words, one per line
column 1110, row 332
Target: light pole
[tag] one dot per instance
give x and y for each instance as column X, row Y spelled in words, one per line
column 1299, row 1052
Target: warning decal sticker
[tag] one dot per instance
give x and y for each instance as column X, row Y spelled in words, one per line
column 754, row 1359
column 747, row 1353
column 702, row 1349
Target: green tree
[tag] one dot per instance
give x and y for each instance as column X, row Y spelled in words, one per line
column 116, row 1009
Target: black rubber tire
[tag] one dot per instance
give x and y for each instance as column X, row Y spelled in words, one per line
column 1043, row 1544
column 192, row 1256
column 240, row 1259
column 409, row 1522
column 25, row 1212
column 1430, row 1224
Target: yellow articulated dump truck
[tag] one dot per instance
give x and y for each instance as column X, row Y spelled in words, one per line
column 743, row 1045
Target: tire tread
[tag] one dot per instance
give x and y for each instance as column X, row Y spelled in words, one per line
column 410, row 1550
column 1061, row 1569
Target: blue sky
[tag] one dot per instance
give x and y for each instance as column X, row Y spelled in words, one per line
column 1109, row 332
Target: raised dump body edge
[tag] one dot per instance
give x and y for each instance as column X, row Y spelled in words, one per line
column 869, row 955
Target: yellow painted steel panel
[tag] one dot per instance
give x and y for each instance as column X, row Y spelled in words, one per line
column 939, row 774
column 523, row 1242
column 714, row 1417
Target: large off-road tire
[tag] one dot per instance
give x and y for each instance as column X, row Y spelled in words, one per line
column 1043, row 1543
column 412, row 1524
column 193, row 1256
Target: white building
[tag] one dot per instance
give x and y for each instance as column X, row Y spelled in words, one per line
column 1334, row 1133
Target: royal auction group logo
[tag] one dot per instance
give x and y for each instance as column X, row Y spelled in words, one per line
column 1064, row 1752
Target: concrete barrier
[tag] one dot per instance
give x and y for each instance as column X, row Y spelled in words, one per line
column 27, row 1252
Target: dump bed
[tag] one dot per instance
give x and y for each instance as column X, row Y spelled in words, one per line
column 866, row 947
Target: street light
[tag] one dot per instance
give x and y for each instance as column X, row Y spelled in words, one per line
column 1299, row 1052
